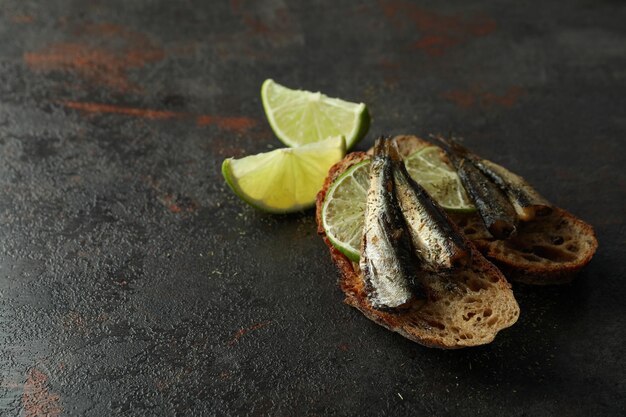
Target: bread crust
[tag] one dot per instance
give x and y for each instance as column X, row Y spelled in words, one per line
column 547, row 251
column 466, row 309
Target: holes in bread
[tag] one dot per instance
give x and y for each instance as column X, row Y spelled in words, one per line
column 572, row 247
column 487, row 312
column 552, row 253
column 436, row 324
column 469, row 315
column 531, row 258
column 557, row 240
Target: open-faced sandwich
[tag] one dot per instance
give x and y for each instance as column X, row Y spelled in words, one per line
column 419, row 271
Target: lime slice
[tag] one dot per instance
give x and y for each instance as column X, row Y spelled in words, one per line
column 428, row 167
column 344, row 207
column 283, row 180
column 298, row 117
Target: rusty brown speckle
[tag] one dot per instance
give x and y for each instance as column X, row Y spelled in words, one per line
column 102, row 54
column 476, row 96
column 239, row 124
column 241, row 332
column 127, row 111
column 274, row 23
column 438, row 32
column 22, row 19
column 37, row 399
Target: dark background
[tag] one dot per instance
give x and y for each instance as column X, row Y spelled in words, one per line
column 132, row 282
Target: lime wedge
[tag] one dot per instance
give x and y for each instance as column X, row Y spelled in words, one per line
column 298, row 117
column 429, row 168
column 283, row 180
column 344, row 207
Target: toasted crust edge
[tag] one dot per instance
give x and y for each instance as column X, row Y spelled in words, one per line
column 548, row 273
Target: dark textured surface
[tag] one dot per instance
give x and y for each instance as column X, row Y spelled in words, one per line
column 133, row 283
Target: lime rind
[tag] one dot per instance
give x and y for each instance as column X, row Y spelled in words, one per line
column 348, row 241
column 232, row 184
column 322, row 114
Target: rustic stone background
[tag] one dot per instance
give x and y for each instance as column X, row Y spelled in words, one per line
column 132, row 282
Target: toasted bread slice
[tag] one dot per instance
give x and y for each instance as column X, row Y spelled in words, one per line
column 467, row 308
column 547, row 250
